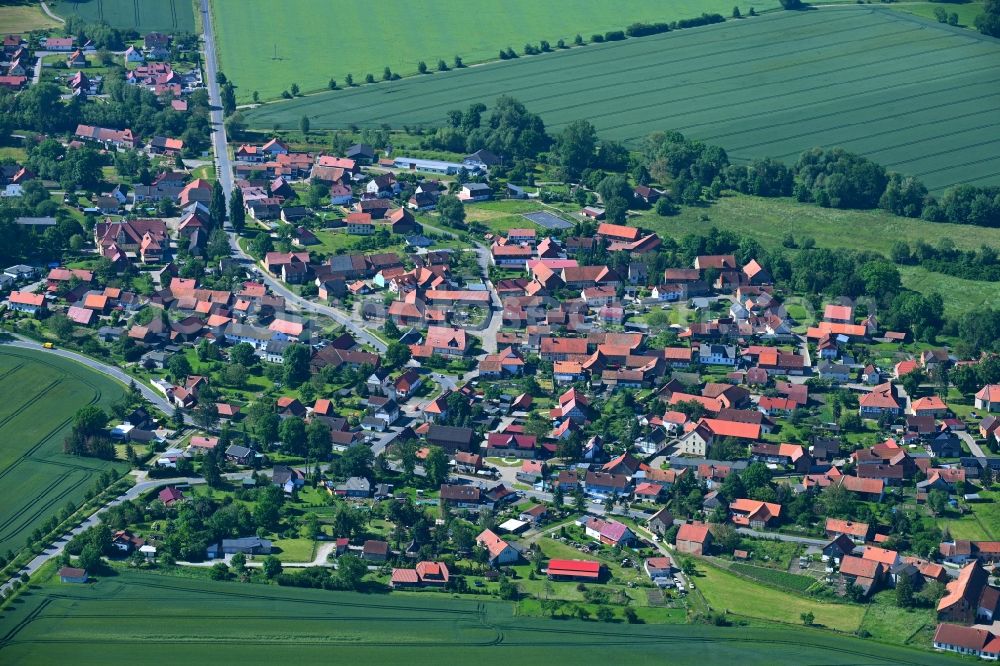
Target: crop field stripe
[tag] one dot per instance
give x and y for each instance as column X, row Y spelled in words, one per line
column 867, row 123
column 777, row 95
column 760, row 97
column 36, row 477
column 31, row 512
column 455, row 78
column 456, row 86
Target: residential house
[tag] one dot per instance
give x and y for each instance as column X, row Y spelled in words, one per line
column 426, row 574
column 694, row 539
column 988, row 398
column 752, row 513
column 375, row 551
column 865, row 573
column 500, row 552
column 661, row 521
column 475, row 192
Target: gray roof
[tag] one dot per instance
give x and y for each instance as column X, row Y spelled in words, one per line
column 237, row 451
column 36, row 221
column 356, row 483
column 239, row 330
column 246, row 542
column 277, row 346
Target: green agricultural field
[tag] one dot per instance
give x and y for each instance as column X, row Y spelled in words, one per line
column 870, row 80
column 309, row 41
column 140, row 15
column 39, row 394
column 200, row 621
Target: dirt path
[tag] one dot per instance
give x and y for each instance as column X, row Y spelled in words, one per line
column 48, row 12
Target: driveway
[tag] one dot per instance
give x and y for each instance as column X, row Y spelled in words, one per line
column 970, row 441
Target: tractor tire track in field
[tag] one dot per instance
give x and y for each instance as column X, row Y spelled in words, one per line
column 12, row 371
column 455, row 82
column 5, row 639
column 776, row 96
column 6, row 533
column 667, row 76
column 94, row 399
column 866, row 122
column 500, row 82
column 24, row 516
column 41, row 394
column 135, row 6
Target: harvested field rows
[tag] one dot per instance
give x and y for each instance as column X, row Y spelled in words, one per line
column 919, row 97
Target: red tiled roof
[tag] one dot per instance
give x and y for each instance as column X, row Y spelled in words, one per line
column 578, row 568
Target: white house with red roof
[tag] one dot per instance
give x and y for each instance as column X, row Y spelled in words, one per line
column 988, row 398
column 500, row 552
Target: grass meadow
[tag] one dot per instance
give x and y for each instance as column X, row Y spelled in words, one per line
column 315, row 42
column 868, row 79
column 39, row 394
column 725, row 591
column 141, row 15
column 202, row 621
column 20, row 18
column 770, row 220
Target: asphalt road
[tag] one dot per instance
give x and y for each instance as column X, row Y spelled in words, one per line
column 225, row 170
column 149, row 394
column 56, row 548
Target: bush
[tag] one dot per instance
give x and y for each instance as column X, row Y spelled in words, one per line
column 643, row 29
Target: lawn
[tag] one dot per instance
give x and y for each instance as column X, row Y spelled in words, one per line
column 959, row 295
column 39, row 395
column 20, row 18
column 865, row 78
column 295, row 550
column 983, row 524
column 200, row 621
column 140, row 15
column 887, row 622
column 724, row 591
column 299, row 34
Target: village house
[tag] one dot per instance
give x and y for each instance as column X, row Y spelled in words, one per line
column 694, row 539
